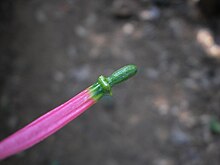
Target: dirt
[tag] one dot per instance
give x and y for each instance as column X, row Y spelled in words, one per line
column 159, row 117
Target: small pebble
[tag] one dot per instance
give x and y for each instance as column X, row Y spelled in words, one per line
column 128, row 28
column 41, row 16
column 91, row 19
column 81, row 31
column 162, row 105
column 179, row 137
column 150, row 14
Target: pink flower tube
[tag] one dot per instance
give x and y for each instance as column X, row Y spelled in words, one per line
column 55, row 119
column 46, row 125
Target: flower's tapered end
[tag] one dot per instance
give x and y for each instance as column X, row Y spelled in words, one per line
column 122, row 74
column 117, row 77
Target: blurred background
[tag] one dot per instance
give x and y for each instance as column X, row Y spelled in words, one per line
column 168, row 114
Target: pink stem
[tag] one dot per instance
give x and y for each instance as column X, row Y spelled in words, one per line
column 45, row 125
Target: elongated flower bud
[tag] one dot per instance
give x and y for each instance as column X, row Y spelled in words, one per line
column 55, row 119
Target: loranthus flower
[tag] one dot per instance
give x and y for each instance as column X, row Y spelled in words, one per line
column 55, row 119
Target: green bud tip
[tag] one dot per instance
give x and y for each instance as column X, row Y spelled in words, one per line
column 117, row 77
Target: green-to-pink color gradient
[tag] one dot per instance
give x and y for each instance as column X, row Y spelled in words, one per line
column 55, row 119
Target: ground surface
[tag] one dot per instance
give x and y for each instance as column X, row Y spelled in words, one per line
column 159, row 117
